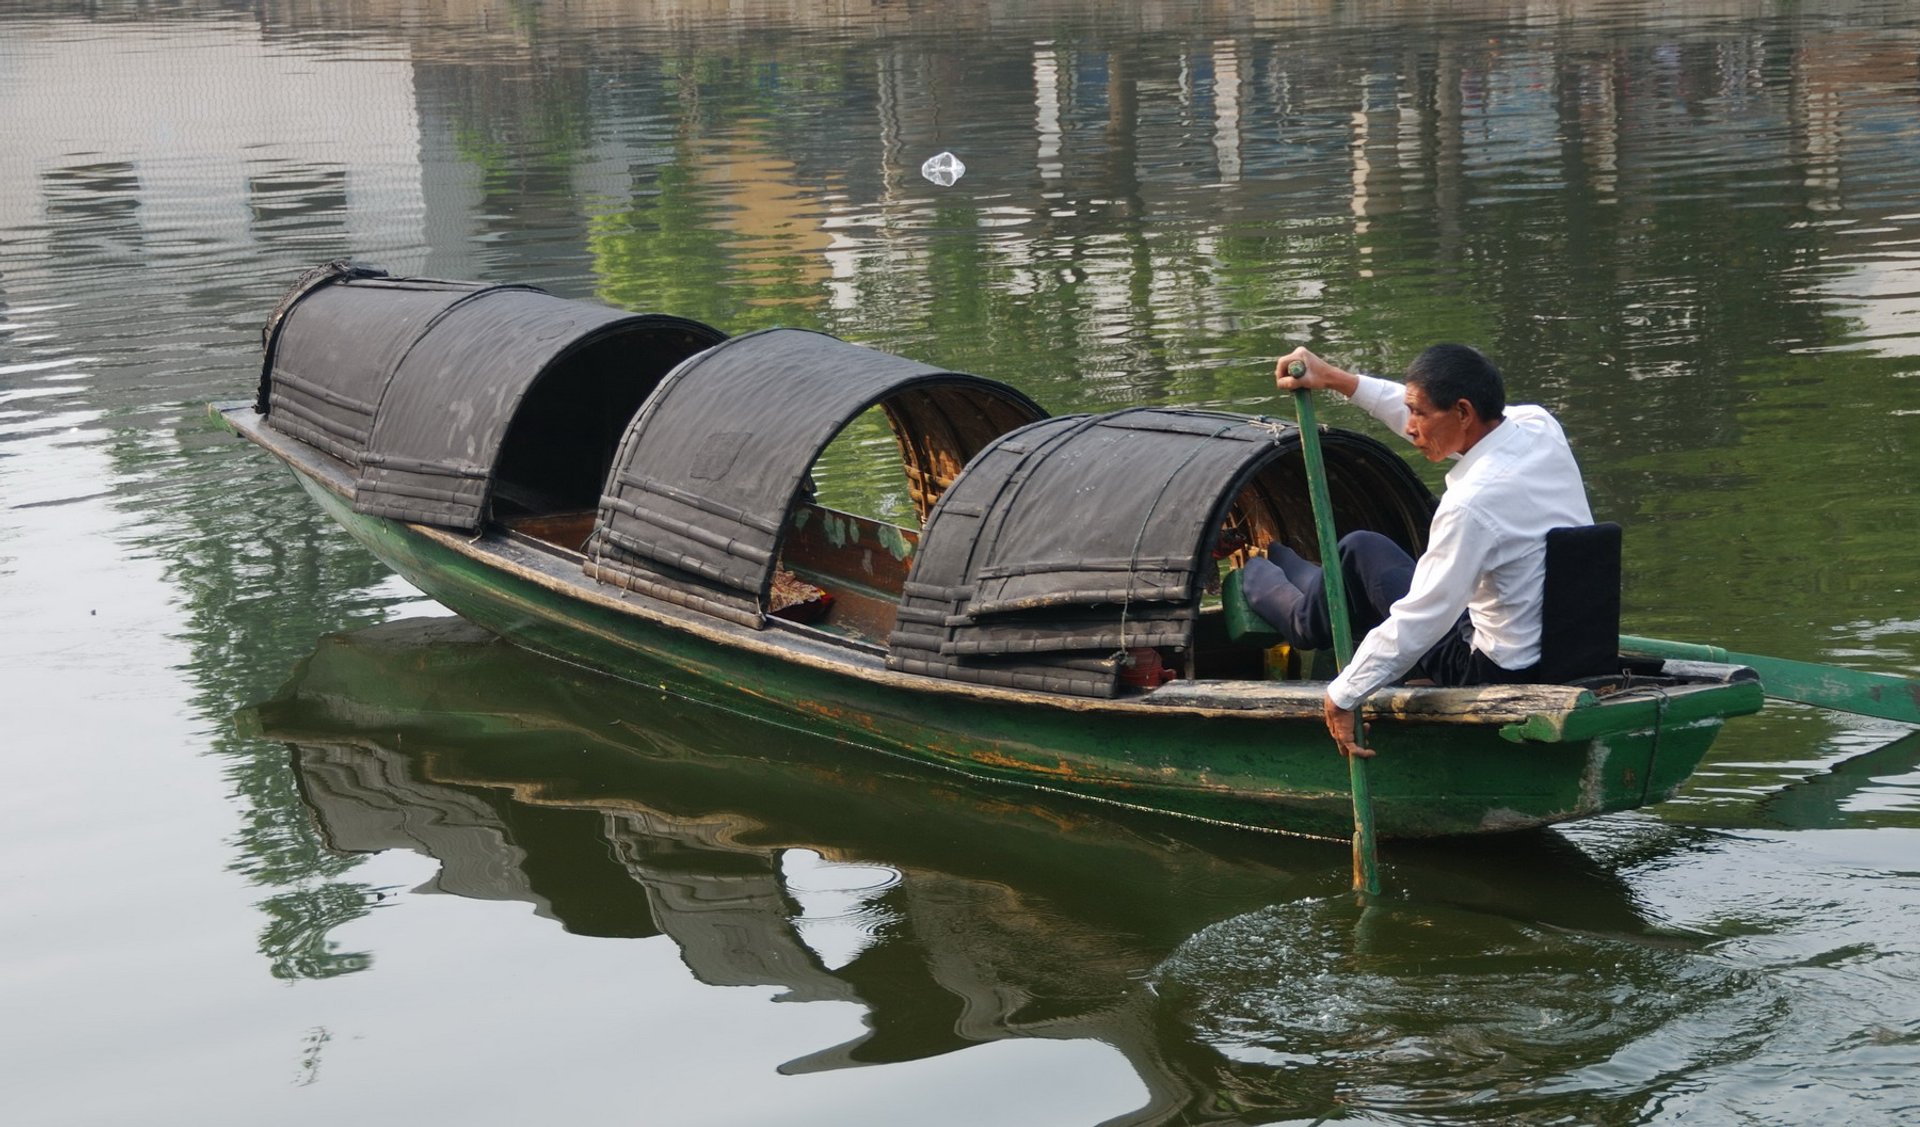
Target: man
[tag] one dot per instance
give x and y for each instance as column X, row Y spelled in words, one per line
column 1469, row 610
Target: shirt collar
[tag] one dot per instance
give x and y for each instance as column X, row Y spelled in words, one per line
column 1500, row 437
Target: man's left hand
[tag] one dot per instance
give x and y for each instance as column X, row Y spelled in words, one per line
column 1341, row 724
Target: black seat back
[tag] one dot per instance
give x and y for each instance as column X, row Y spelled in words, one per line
column 1580, row 634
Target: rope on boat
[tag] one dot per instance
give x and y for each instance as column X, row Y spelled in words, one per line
column 1661, row 699
column 1273, row 427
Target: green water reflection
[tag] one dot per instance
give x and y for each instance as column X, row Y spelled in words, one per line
column 957, row 915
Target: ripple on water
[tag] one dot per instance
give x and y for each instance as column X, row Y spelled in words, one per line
column 841, row 913
column 1405, row 1007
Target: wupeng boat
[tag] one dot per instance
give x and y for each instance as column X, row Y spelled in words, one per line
column 632, row 492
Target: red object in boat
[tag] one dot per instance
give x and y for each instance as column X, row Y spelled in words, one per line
column 1145, row 670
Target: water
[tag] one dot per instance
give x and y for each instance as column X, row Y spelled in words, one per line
column 281, row 843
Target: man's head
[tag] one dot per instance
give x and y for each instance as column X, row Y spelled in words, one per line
column 1454, row 397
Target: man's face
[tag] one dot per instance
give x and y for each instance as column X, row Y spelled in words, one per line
column 1437, row 432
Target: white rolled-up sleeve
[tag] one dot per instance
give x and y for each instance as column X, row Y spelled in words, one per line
column 1385, row 400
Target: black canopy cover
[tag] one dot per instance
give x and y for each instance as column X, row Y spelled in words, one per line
column 427, row 388
column 1068, row 542
column 702, row 485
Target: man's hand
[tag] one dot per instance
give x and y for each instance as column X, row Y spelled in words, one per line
column 1317, row 374
column 1340, row 725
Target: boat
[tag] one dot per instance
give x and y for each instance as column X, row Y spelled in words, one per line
column 633, row 492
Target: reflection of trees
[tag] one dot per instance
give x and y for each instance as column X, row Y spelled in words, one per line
column 260, row 573
column 516, row 131
column 255, row 570
column 1530, row 199
column 1443, row 223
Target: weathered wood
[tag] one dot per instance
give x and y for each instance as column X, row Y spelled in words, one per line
column 845, row 546
column 1653, row 708
column 563, row 530
column 1480, row 704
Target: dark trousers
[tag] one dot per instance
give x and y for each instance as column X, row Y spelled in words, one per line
column 1290, row 594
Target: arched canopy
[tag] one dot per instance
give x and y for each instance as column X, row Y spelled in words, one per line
column 439, row 392
column 1066, row 543
column 698, row 500
column 334, row 342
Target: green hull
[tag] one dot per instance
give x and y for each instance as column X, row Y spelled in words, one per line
column 1255, row 771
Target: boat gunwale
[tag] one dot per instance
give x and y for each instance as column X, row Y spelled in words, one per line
column 522, row 557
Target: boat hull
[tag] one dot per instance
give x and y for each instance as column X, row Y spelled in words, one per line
column 1255, row 771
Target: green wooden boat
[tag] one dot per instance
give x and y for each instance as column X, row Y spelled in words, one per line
column 632, row 493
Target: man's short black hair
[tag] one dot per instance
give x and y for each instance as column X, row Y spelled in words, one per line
column 1448, row 373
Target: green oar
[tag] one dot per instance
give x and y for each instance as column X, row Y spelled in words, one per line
column 1366, row 864
column 1885, row 695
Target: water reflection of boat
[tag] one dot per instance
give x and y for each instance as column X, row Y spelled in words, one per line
column 632, row 492
column 1860, row 792
column 953, row 915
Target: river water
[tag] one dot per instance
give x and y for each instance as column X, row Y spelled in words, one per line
column 282, row 842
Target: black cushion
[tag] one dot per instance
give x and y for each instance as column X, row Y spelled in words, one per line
column 1581, row 635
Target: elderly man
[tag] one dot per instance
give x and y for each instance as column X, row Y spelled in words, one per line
column 1469, row 611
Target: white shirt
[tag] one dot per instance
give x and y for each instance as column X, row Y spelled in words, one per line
column 1486, row 548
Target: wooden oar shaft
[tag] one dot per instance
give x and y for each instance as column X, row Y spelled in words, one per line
column 1883, row 695
column 1329, row 534
column 1366, row 864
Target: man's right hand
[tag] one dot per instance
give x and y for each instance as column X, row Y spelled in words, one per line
column 1318, row 374
column 1342, row 725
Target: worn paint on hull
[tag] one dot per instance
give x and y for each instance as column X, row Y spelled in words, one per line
column 1254, row 771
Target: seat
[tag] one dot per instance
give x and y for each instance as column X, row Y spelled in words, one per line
column 1581, row 609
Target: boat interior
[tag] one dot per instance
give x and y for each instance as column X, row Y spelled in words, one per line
column 851, row 570
column 557, row 454
column 840, row 575
column 561, row 441
column 848, row 572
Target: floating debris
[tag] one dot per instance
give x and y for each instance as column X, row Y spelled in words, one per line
column 943, row 169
